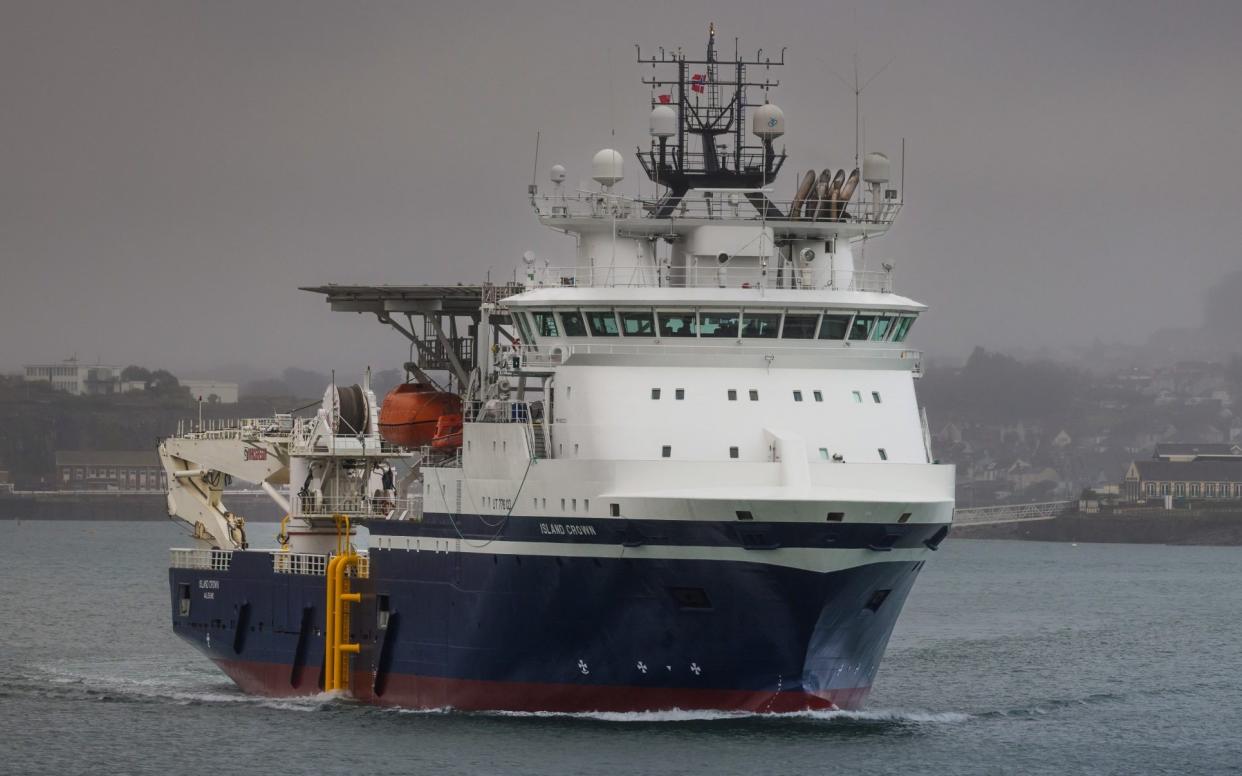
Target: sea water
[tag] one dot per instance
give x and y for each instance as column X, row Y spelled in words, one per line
column 1010, row 657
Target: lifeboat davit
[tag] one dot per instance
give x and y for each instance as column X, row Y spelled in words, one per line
column 411, row 412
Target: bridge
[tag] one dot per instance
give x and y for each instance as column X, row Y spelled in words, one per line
column 1010, row 513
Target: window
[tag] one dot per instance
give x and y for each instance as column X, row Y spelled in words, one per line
column 883, row 453
column 875, row 396
column 666, row 451
column 603, row 323
column 586, row 505
column 614, row 510
column 823, row 453
column 761, row 325
column 744, row 514
column 1180, row 489
column 732, row 394
column 1211, row 490
column 857, row 396
column 676, row 324
column 1194, row 489
column 754, row 395
column 797, row 395
column 1151, row 488
column 819, row 395
column 733, row 452
column 636, row 324
column 573, row 325
column 862, row 326
column 545, row 324
column 836, row 517
column 799, row 326
column 902, row 328
column 718, row 324
column 655, row 394
column 883, row 325
column 905, row 517
column 562, row 505
column 679, row 394
column 834, row 327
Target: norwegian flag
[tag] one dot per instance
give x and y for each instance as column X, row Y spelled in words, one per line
column 665, row 99
column 697, row 82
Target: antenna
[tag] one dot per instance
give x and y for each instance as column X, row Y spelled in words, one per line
column 532, row 189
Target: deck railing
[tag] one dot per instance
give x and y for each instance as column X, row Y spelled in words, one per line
column 714, row 276
column 204, row 559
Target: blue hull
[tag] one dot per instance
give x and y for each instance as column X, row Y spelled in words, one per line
column 565, row 632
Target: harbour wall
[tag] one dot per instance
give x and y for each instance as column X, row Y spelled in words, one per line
column 1190, row 527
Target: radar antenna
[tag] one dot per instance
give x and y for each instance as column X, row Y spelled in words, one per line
column 710, row 109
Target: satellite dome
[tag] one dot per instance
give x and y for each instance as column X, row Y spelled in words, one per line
column 557, row 173
column 606, row 167
column 876, row 168
column 768, row 121
column 663, row 121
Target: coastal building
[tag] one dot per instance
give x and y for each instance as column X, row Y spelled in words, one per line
column 109, row 470
column 1186, row 470
column 75, row 378
column 205, row 390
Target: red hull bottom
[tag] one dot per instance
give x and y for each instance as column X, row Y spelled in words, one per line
column 426, row 692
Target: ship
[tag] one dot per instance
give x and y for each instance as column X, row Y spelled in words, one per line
column 688, row 470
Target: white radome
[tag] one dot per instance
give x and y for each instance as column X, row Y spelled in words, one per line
column 768, row 121
column 876, row 168
column 607, row 167
column 663, row 121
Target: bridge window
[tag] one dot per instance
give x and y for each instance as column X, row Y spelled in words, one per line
column 799, row 326
column 862, row 326
column 718, row 324
column 797, row 395
column 732, row 394
column 603, row 323
column 819, row 395
column 761, row 325
column 834, row 327
column 883, row 325
column 823, row 453
column 545, row 324
column 573, row 325
column 857, row 396
column 636, row 324
column 754, row 395
column 902, row 328
column 655, row 394
column 676, row 324
column 875, row 396
column 883, row 454
column 524, row 330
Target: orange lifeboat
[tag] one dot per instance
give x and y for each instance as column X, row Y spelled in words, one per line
column 410, row 413
column 448, row 433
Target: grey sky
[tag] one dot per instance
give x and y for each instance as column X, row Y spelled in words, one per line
column 170, row 172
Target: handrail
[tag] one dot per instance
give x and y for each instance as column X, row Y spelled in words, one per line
column 584, row 204
column 714, row 276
